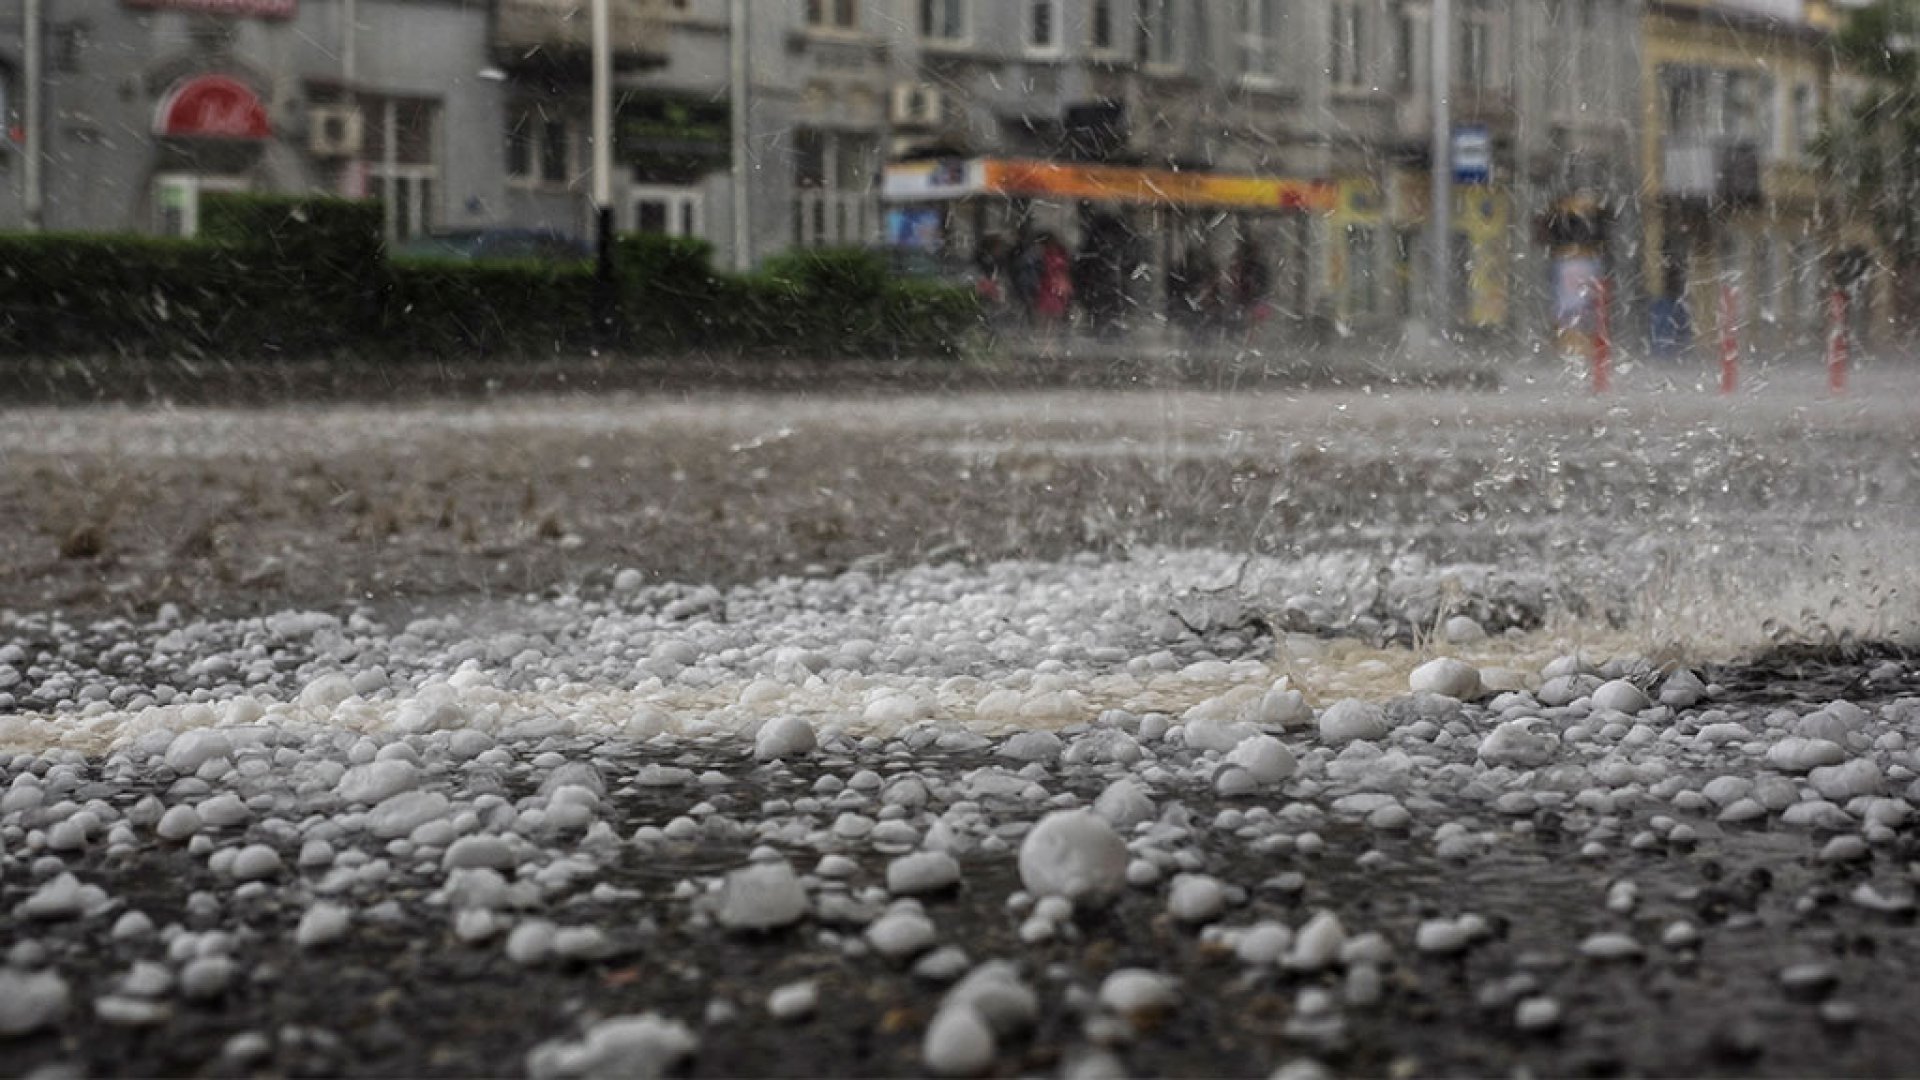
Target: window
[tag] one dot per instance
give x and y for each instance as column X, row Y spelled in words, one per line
column 1100, row 26
column 1160, row 43
column 1362, row 293
column 540, row 147
column 1806, row 119
column 1406, row 45
column 1260, row 25
column 1476, row 48
column 833, row 174
column 668, row 211
column 943, row 20
column 1043, row 26
column 1347, row 47
column 833, row 14
column 1685, row 101
column 1570, row 74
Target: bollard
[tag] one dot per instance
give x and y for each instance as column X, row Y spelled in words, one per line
column 1602, row 337
column 1838, row 345
column 1729, row 341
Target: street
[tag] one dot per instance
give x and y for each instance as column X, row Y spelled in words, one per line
column 436, row 738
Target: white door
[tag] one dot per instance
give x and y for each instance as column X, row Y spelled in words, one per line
column 668, row 211
column 176, row 200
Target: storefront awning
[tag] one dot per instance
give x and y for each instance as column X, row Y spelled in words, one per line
column 926, row 181
column 212, row 107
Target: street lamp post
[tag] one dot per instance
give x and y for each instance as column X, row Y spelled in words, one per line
column 603, row 160
column 33, row 178
column 1440, row 199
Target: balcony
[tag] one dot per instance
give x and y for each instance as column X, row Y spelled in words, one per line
column 553, row 38
column 1713, row 172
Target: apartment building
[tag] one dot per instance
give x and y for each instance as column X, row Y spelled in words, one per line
column 1734, row 95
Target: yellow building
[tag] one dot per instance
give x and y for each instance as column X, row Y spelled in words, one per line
column 1734, row 94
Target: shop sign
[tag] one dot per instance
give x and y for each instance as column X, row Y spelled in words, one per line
column 244, row 9
column 212, row 107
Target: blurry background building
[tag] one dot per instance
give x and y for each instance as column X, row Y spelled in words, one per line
column 1665, row 143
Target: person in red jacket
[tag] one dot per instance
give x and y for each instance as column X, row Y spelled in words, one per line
column 1054, row 297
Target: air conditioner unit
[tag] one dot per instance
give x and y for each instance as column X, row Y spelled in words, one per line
column 334, row 131
column 915, row 105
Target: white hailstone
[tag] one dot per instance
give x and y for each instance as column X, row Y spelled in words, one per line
column 1031, row 746
column 206, row 977
column 1741, row 810
column 1283, row 707
column 581, row 943
column 1124, row 803
column 474, row 925
column 764, row 896
column 942, row 965
column 1817, row 814
column 323, row 924
column 481, row 850
column 58, row 898
column 1682, row 690
column 315, row 853
column 1536, row 1014
column 1610, row 946
column 131, row 926
column 468, row 743
column 794, row 1001
column 644, row 1046
column 1447, row 936
column 922, row 872
column 1074, row 854
column 1462, row 630
column 1797, row 755
column 531, row 942
column 783, row 737
column 901, row 934
column 1263, row 944
column 398, row 815
column 326, row 692
column 1213, row 733
column 1446, row 677
column 1143, row 873
column 1807, row 977
column 1234, row 781
column 1519, row 744
column 1265, row 758
column 1620, row 695
column 1622, row 897
column 958, row 1043
column 178, row 823
column 1138, row 994
column 1317, row 944
column 376, row 781
column 1196, row 898
column 1844, row 849
column 836, row 867
column 1352, row 720
column 147, row 979
column 254, row 862
column 192, row 749
column 1679, row 934
column 30, row 1001
column 223, row 811
column 1847, row 780
column 1725, row 790
column 995, row 993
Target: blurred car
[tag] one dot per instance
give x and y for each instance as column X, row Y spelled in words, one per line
column 467, row 245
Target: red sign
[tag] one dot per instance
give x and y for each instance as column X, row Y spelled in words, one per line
column 212, row 107
column 256, row 9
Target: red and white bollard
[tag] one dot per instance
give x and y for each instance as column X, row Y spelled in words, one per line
column 1839, row 347
column 1729, row 340
column 1602, row 336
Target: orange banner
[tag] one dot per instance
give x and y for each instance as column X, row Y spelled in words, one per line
column 1115, row 183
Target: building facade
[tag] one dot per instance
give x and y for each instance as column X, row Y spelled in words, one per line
column 1658, row 143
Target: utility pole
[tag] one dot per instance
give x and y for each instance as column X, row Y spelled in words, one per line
column 33, row 178
column 738, row 55
column 1440, row 200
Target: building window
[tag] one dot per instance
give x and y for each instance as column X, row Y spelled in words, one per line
column 1348, row 45
column 833, row 174
column 668, row 211
column 1362, row 291
column 1043, row 26
column 1806, row 119
column 943, row 20
column 1406, row 44
column 1260, row 26
column 1100, row 27
column 540, row 147
column 1476, row 48
column 833, row 14
column 1160, row 43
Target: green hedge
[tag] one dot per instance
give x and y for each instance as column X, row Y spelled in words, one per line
column 275, row 276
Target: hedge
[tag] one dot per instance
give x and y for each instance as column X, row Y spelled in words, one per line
column 303, row 277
